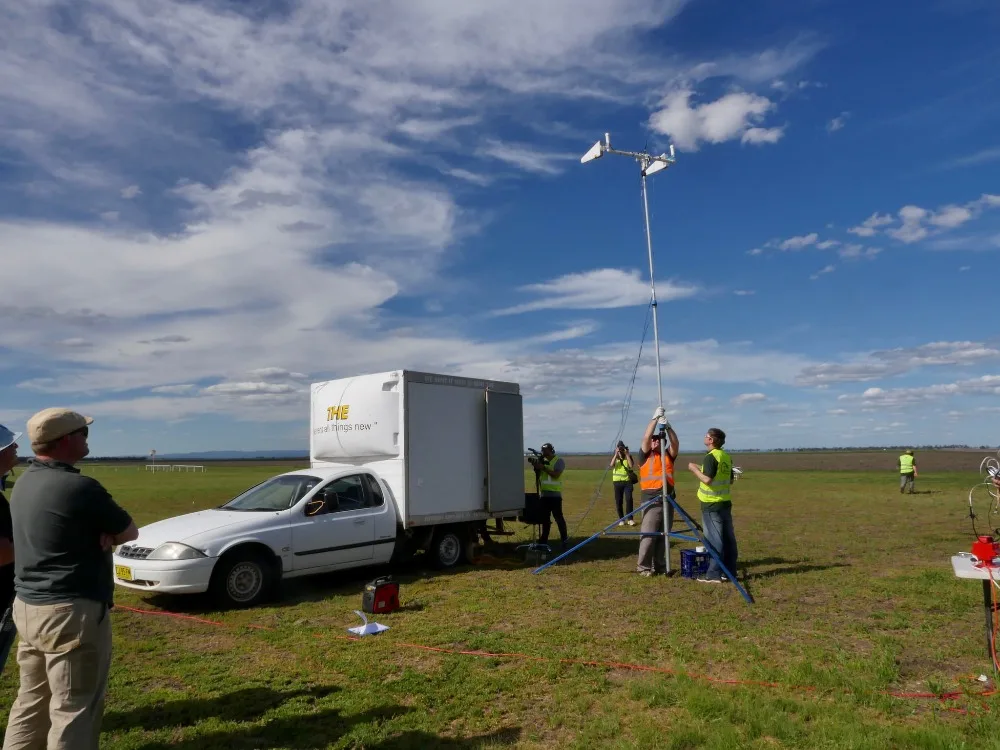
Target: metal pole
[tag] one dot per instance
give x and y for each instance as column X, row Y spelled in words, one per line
column 659, row 384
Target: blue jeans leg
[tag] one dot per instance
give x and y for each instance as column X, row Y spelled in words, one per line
column 717, row 521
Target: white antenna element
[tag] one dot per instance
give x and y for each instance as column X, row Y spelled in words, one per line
column 596, row 152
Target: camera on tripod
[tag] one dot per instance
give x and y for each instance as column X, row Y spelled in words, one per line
column 534, row 457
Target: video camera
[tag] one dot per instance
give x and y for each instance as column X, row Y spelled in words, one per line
column 534, row 457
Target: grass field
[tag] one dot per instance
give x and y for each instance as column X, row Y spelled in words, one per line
column 855, row 600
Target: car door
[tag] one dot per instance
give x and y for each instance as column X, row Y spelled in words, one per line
column 335, row 527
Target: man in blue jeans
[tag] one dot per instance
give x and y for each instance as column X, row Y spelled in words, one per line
column 716, row 477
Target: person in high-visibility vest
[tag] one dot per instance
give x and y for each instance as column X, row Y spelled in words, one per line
column 907, row 471
column 653, row 549
column 716, row 478
column 622, row 470
column 550, row 469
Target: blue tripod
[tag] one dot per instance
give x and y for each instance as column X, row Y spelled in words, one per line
column 697, row 537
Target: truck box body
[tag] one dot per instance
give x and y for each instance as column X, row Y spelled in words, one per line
column 450, row 448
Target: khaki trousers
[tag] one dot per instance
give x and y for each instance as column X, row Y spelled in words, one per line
column 64, row 655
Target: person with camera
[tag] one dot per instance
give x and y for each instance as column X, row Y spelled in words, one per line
column 657, row 459
column 549, row 470
column 623, row 476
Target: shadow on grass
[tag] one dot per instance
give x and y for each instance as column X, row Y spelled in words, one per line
column 417, row 740
column 303, row 731
column 240, row 705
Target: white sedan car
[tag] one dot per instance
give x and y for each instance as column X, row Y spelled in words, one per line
column 295, row 524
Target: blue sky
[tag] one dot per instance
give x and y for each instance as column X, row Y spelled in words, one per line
column 204, row 207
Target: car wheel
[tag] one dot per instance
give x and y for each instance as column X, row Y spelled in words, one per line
column 447, row 548
column 242, row 580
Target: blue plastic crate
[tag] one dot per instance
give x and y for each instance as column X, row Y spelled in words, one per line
column 693, row 563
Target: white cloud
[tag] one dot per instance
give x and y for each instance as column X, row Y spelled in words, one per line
column 732, row 116
column 823, row 271
column 916, row 223
column 885, row 363
column 749, row 398
column 797, row 243
column 950, row 217
column 912, row 229
column 837, row 412
column 755, row 251
column 247, row 388
column 526, row 157
column 869, row 227
column 855, row 252
column 980, row 157
column 132, row 191
column 874, row 399
column 758, row 136
column 180, row 388
column 965, row 268
column 744, row 292
column 827, row 244
column 599, row 289
column 838, row 122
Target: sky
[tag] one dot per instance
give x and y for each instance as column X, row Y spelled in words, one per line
column 206, row 206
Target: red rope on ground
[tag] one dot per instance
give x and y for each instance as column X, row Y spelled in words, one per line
column 584, row 662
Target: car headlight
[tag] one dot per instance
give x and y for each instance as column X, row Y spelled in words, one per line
column 175, row 551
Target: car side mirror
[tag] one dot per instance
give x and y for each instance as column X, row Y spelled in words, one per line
column 315, row 506
column 331, row 498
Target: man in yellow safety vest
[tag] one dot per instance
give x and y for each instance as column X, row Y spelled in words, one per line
column 907, row 471
column 716, row 478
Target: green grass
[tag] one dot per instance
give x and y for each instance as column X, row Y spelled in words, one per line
column 854, row 598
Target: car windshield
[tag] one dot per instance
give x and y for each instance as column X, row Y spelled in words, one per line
column 278, row 493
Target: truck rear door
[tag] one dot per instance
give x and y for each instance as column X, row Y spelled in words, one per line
column 505, row 451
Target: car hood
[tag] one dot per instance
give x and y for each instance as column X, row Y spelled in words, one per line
column 204, row 526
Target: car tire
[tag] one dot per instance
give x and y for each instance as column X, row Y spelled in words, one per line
column 242, row 580
column 447, row 548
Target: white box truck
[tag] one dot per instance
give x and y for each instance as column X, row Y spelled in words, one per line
column 451, row 449
column 400, row 461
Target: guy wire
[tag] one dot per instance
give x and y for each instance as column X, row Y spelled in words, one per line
column 626, row 405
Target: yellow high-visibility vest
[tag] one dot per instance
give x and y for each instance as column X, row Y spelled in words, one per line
column 547, row 483
column 718, row 490
column 906, row 464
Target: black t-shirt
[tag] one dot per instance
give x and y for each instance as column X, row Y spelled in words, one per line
column 58, row 518
column 6, row 571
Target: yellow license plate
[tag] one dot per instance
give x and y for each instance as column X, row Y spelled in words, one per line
column 123, row 572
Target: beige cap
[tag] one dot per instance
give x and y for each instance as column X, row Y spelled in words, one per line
column 52, row 424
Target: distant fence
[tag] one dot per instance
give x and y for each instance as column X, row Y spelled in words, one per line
column 175, row 467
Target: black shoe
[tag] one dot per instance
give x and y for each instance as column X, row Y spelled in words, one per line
column 565, row 544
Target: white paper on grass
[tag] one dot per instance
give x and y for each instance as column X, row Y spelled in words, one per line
column 367, row 628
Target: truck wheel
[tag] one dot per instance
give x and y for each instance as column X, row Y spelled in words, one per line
column 470, row 549
column 446, row 549
column 242, row 580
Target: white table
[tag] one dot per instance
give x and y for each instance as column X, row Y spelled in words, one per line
column 965, row 566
